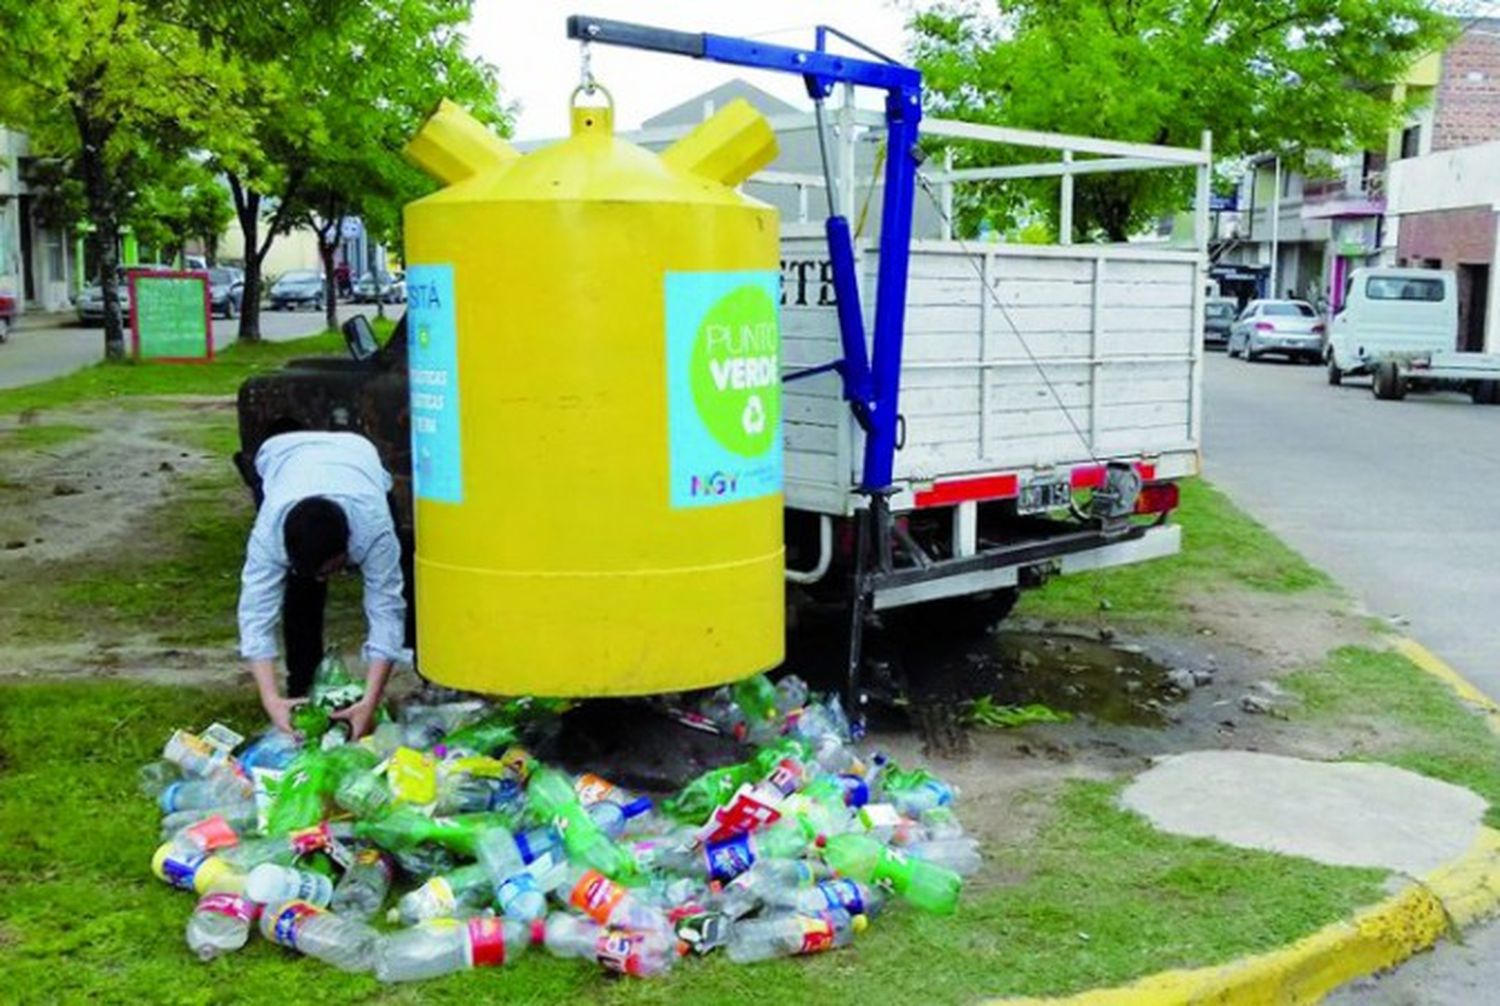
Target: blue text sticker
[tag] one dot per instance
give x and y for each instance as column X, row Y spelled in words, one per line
column 723, row 386
column 432, row 350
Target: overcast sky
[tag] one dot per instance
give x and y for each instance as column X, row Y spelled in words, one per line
column 539, row 66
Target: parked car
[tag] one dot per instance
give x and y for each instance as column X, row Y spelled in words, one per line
column 91, row 300
column 1289, row 328
column 1218, row 316
column 298, row 288
column 382, row 287
column 1391, row 312
column 226, row 287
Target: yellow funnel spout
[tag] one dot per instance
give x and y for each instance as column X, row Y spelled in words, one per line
column 729, row 147
column 452, row 145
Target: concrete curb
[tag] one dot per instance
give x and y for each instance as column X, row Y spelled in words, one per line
column 1376, row 938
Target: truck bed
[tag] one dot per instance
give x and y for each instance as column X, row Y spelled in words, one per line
column 1114, row 329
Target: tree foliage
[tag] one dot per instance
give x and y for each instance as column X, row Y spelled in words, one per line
column 1284, row 76
column 114, row 91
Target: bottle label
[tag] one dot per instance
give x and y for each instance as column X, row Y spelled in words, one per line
column 619, row 950
column 593, row 789
column 180, row 869
column 168, row 799
column 222, row 738
column 486, row 942
column 748, row 810
column 786, row 778
column 512, row 889
column 817, row 934
column 232, row 905
column 518, row 762
column 843, row 894
column 289, row 921
column 729, row 857
column 212, row 833
column 596, row 896
column 309, row 840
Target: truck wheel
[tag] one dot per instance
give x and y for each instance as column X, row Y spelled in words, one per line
column 1335, row 375
column 1388, row 384
column 229, row 309
column 969, row 615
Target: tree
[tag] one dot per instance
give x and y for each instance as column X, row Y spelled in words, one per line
column 326, row 144
column 1283, row 76
column 113, row 89
column 182, row 202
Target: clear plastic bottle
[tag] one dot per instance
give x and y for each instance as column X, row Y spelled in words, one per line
column 346, row 944
column 271, row 883
column 791, row 693
column 462, row 892
column 608, row 903
column 791, row 935
column 220, row 924
column 516, row 890
column 188, row 869
column 273, row 749
column 239, row 816
column 443, row 946
column 765, row 880
column 961, row 855
column 642, row 954
column 215, row 791
column 209, row 835
column 196, row 757
column 842, row 894
column 153, row 777
column 364, row 794
column 362, row 890
column 538, row 842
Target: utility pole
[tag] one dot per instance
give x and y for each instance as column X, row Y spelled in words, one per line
column 1275, row 224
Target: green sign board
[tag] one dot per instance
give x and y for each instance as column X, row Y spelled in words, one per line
column 169, row 315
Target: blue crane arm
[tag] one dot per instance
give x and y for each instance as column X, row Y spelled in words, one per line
column 872, row 382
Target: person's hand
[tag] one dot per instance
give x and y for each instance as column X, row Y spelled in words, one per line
column 359, row 716
column 280, row 712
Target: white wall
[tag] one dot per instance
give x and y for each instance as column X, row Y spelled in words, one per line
column 1447, row 180
column 297, row 250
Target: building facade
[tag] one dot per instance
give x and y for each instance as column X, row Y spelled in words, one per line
column 37, row 263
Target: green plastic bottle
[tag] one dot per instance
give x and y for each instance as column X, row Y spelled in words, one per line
column 491, row 734
column 404, row 828
column 298, row 800
column 930, row 887
column 756, row 697
column 699, row 798
column 555, row 801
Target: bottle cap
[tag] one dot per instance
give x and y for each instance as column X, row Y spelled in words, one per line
column 635, row 808
column 860, row 923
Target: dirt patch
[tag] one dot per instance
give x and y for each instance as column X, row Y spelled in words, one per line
column 83, row 498
column 1284, row 630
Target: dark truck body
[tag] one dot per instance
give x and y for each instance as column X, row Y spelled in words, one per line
column 365, row 395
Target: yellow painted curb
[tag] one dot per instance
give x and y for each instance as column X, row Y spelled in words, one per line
column 1376, row 938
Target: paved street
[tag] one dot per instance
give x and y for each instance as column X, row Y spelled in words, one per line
column 34, row 355
column 1392, row 498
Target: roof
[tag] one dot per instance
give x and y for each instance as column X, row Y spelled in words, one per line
column 692, row 110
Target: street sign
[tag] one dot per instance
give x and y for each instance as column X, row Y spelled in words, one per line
column 170, row 316
column 1228, row 203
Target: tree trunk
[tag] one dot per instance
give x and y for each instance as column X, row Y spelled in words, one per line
column 330, row 288
column 247, row 210
column 103, row 213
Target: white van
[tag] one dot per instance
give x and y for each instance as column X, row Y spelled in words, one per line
column 1391, row 312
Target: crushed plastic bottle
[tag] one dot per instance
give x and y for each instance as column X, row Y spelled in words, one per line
column 361, row 891
column 314, row 932
column 641, row 954
column 607, row 902
column 928, row 886
column 443, row 946
column 220, row 924
column 269, row 883
column 462, row 892
column 792, row 935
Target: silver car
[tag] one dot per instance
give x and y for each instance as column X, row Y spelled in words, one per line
column 1289, row 328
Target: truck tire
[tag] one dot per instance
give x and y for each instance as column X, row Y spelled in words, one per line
column 968, row 615
column 1388, row 385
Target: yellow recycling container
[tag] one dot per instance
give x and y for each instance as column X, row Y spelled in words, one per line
column 595, row 409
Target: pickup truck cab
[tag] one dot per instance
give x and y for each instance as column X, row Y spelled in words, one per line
column 1392, row 312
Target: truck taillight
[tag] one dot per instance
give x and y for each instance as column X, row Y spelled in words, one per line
column 1264, row 326
column 1157, row 497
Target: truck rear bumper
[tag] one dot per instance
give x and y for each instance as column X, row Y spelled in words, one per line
column 1001, row 568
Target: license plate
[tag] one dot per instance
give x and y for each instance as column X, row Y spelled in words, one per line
column 1045, row 492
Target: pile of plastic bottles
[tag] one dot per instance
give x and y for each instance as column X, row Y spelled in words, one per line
column 438, row 844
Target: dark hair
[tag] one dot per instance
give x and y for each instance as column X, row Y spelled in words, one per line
column 315, row 530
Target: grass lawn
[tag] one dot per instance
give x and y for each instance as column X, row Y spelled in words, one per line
column 1221, row 546
column 1104, row 897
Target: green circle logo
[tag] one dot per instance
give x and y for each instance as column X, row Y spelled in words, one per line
column 736, row 372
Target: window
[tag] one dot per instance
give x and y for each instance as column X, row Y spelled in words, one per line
column 1220, row 311
column 1288, row 309
column 1403, row 288
column 1411, row 141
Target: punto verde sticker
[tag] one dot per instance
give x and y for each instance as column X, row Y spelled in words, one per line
column 723, row 386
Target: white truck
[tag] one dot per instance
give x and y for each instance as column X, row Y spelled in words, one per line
column 1400, row 326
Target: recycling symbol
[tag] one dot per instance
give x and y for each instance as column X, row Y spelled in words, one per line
column 423, row 337
column 753, row 419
